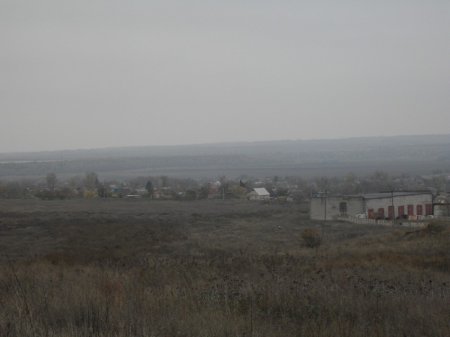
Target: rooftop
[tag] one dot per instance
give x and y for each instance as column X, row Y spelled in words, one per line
column 381, row 195
column 261, row 191
column 378, row 195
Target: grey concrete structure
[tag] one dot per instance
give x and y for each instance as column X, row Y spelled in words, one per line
column 441, row 209
column 385, row 205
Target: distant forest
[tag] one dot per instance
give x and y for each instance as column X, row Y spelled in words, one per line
column 303, row 158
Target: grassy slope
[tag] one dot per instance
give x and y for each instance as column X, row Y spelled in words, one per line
column 133, row 268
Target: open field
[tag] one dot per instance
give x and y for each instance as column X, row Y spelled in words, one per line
column 214, row 268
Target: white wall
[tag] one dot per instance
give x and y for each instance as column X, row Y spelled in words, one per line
column 355, row 206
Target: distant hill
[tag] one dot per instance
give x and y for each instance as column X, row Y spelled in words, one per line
column 412, row 154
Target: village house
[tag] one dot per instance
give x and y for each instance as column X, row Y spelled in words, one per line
column 259, row 193
column 384, row 205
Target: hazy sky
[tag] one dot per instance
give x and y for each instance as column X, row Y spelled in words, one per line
column 96, row 73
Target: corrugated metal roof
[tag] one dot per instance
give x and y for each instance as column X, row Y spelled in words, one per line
column 381, row 195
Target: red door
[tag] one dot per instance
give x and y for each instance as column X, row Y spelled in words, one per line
column 410, row 209
column 401, row 211
column 380, row 213
column 391, row 214
column 428, row 209
column 371, row 213
column 419, row 210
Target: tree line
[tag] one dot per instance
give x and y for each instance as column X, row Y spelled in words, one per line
column 90, row 185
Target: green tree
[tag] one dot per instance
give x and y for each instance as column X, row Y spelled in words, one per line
column 350, row 184
column 51, row 181
column 91, row 180
column 101, row 191
column 439, row 182
column 164, row 181
column 381, row 181
column 323, row 184
column 149, row 188
column 203, row 192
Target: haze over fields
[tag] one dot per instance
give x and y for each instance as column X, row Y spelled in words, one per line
column 90, row 74
column 396, row 155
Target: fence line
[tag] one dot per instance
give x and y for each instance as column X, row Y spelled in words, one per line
column 363, row 221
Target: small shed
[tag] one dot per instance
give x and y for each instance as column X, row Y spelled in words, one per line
column 259, row 193
column 441, row 209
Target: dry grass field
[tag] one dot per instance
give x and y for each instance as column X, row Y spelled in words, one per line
column 129, row 268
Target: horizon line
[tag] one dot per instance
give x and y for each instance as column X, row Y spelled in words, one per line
column 24, row 152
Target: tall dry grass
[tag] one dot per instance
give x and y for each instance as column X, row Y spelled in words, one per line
column 335, row 293
column 220, row 275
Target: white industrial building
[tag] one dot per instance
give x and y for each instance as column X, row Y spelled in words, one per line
column 384, row 205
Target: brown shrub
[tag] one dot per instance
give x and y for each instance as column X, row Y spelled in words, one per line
column 312, row 238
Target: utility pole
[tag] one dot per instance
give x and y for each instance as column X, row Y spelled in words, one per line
column 393, row 207
column 325, row 215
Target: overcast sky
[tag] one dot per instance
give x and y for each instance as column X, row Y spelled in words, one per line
column 98, row 73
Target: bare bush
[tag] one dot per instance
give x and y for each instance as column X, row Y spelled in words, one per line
column 311, row 238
